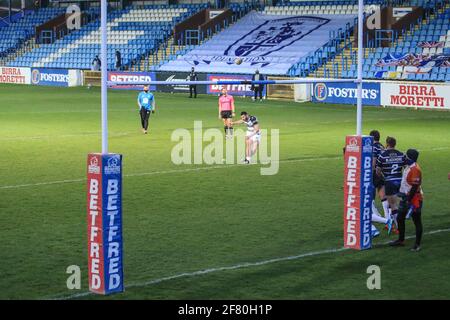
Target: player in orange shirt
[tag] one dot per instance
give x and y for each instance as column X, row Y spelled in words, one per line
column 411, row 198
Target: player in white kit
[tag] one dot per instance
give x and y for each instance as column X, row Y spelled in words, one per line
column 253, row 135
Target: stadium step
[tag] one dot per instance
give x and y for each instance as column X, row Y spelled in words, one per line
column 169, row 50
column 165, row 51
column 334, row 67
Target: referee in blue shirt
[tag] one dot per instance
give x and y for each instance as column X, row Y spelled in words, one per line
column 146, row 104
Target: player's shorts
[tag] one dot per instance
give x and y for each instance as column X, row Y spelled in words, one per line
column 378, row 181
column 145, row 112
column 391, row 188
column 255, row 138
column 226, row 114
column 404, row 205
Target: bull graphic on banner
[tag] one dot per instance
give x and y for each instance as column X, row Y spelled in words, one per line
column 257, row 46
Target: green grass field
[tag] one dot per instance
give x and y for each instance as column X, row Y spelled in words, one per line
column 228, row 219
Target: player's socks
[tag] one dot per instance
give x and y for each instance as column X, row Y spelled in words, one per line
column 389, row 225
column 394, row 217
column 374, row 232
column 379, row 219
column 226, row 130
column 230, row 131
column 385, row 203
column 374, row 209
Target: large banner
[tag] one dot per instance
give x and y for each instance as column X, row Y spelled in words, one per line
column 176, row 77
column 412, row 63
column 104, row 219
column 270, row 43
column 415, row 95
column 358, row 192
column 15, row 75
column 50, row 77
column 345, row 93
column 233, row 89
column 128, row 76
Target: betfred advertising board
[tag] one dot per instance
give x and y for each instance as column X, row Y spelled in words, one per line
column 233, row 89
column 358, row 192
column 104, row 220
column 131, row 77
column 415, row 95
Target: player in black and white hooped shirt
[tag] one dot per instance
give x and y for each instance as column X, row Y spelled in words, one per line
column 378, row 184
column 253, row 135
column 390, row 163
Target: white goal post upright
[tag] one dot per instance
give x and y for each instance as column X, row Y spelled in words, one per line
column 360, row 71
column 104, row 196
column 104, row 74
column 358, row 168
column 104, row 177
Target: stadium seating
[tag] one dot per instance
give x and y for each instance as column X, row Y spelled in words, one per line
column 6, row 20
column 430, row 39
column 133, row 31
column 13, row 35
column 330, row 2
column 240, row 8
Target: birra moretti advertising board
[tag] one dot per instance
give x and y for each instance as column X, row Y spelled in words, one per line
column 414, row 95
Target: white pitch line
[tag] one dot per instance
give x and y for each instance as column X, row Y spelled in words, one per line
column 118, row 134
column 179, row 171
column 368, row 120
column 240, row 266
column 159, row 172
column 63, row 111
column 183, row 170
column 17, row 186
column 437, row 149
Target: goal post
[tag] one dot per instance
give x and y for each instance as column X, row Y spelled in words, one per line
column 101, row 260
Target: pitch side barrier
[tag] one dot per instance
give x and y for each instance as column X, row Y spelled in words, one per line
column 386, row 93
column 54, row 77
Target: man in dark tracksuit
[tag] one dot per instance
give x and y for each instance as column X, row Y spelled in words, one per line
column 192, row 88
column 258, row 88
column 118, row 60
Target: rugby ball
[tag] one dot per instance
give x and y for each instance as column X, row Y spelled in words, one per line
column 238, row 61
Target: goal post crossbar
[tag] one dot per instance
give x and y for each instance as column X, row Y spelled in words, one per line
column 232, row 82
